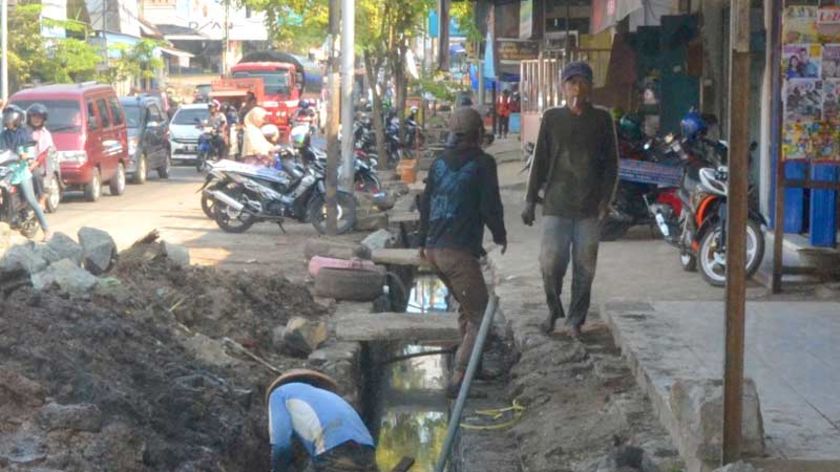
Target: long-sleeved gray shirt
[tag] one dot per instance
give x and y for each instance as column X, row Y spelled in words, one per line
column 576, row 160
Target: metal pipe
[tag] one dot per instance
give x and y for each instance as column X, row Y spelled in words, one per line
column 475, row 356
column 348, row 65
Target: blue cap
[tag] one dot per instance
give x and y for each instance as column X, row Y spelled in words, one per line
column 574, row 69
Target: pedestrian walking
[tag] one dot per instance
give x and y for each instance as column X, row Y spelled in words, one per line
column 305, row 411
column 576, row 164
column 461, row 197
column 503, row 109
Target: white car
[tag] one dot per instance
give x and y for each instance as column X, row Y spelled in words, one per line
column 183, row 132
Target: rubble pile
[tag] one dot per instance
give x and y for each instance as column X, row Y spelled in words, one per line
column 141, row 366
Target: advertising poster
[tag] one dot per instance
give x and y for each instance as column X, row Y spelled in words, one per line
column 831, row 61
column 831, row 101
column 802, row 61
column 828, row 24
column 795, row 141
column 799, row 25
column 809, row 140
column 803, row 100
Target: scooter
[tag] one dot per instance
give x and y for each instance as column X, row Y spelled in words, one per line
column 206, row 146
column 14, row 210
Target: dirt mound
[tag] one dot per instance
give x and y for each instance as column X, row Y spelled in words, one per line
column 111, row 382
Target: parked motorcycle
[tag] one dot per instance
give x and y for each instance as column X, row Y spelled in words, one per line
column 243, row 195
column 364, row 175
column 14, row 210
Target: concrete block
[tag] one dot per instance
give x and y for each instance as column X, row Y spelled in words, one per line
column 372, row 222
column 698, row 410
column 326, row 247
column 381, row 239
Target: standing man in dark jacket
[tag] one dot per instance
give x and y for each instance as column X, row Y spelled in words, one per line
column 576, row 162
column 461, row 196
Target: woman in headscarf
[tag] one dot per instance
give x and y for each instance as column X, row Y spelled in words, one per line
column 254, row 143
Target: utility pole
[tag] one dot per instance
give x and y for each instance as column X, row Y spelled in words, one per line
column 348, row 67
column 225, row 54
column 736, row 230
column 443, row 45
column 333, row 111
column 4, row 46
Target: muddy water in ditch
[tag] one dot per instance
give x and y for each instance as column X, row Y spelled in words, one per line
column 413, row 411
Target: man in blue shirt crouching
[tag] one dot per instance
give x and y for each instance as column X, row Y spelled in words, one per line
column 302, row 406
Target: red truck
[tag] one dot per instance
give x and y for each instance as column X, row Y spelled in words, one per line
column 287, row 79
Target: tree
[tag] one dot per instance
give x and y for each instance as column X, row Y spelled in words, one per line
column 139, row 60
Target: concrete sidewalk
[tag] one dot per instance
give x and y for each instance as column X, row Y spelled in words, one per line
column 791, row 354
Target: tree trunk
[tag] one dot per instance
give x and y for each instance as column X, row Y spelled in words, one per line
column 402, row 90
column 372, row 70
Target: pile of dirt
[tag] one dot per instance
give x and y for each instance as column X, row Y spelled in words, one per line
column 113, row 380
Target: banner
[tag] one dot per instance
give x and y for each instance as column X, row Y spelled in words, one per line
column 518, row 50
column 526, row 19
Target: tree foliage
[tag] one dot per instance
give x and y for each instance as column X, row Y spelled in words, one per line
column 139, row 60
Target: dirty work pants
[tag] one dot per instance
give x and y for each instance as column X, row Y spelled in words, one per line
column 562, row 238
column 347, row 457
column 461, row 272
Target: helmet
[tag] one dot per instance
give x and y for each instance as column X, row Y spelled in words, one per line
column 307, row 376
column 13, row 116
column 304, row 104
column 36, row 109
column 270, row 131
column 629, row 128
column 299, row 136
column 692, row 126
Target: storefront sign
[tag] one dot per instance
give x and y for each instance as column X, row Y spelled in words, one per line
column 517, row 50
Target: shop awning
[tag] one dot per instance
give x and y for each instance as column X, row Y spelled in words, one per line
column 183, row 56
column 180, row 33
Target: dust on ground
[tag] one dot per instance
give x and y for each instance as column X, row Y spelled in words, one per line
column 115, row 381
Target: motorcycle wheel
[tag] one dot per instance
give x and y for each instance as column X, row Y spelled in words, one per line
column 231, row 221
column 713, row 260
column 367, row 183
column 612, row 230
column 53, row 195
column 207, row 205
column 317, row 213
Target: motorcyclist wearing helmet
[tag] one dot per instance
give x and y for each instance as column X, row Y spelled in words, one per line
column 218, row 122
column 13, row 137
column 36, row 118
column 303, row 408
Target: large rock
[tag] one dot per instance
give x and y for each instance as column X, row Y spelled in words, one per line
column 81, row 417
column 177, row 254
column 326, row 247
column 100, row 251
column 67, row 275
column 25, row 257
column 61, row 246
column 698, row 408
column 301, row 336
column 382, row 239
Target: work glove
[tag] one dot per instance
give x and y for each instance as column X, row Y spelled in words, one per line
column 528, row 214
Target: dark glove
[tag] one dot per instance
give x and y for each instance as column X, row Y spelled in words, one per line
column 528, row 214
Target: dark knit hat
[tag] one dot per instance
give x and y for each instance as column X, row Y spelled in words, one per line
column 574, row 69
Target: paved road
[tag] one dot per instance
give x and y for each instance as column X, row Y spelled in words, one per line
column 173, row 207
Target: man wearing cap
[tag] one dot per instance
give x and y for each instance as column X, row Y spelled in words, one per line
column 576, row 164
column 461, row 197
column 302, row 405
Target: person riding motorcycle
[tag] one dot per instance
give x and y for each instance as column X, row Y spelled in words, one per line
column 14, row 137
column 36, row 119
column 254, row 142
column 218, row 122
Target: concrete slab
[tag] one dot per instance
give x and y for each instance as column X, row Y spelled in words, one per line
column 403, row 217
column 405, row 327
column 791, row 353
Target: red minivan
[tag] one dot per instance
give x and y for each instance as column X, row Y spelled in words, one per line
column 88, row 127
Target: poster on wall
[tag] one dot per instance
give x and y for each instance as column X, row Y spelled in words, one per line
column 828, row 24
column 809, row 140
column 799, row 25
column 803, row 100
column 831, row 101
column 802, row 61
column 831, row 61
column 795, row 140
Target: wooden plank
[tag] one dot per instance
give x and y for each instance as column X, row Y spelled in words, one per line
column 409, row 327
column 399, row 257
